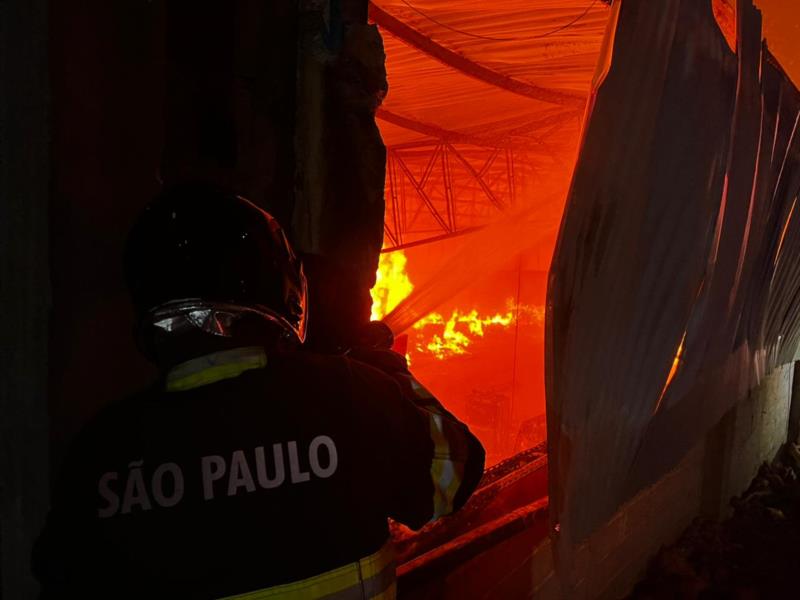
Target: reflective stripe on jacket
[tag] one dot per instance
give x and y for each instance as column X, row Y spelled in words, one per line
column 458, row 457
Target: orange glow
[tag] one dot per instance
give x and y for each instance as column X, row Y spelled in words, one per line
column 783, row 232
column 482, row 124
column 392, row 284
column 457, row 332
column 483, row 119
column 781, row 28
column 481, row 350
column 725, row 14
column 676, row 363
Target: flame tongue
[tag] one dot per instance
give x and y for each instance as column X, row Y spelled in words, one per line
column 392, row 284
column 455, row 336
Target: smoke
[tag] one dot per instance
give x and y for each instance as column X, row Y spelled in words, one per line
column 482, row 253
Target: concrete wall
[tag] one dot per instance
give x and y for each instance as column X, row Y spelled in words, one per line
column 614, row 557
column 718, row 468
column 752, row 432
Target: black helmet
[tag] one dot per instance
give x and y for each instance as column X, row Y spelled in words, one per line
column 199, row 256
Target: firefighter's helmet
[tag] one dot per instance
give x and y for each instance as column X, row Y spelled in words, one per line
column 200, row 257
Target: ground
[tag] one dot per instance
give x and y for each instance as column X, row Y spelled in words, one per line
column 754, row 554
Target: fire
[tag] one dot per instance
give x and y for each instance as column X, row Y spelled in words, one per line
column 434, row 334
column 392, row 284
column 452, row 340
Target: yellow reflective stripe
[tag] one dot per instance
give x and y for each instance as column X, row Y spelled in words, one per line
column 320, row 586
column 344, row 582
column 375, row 563
column 215, row 367
column 445, row 472
column 389, row 594
column 420, row 390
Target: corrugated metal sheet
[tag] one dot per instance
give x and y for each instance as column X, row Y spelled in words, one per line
column 674, row 286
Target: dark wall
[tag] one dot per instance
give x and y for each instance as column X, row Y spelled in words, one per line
column 108, row 83
column 145, row 94
column 24, row 287
column 152, row 93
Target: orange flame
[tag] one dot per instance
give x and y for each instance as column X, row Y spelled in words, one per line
column 436, row 335
column 454, row 340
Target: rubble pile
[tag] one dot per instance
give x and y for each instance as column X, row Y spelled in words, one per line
column 752, row 555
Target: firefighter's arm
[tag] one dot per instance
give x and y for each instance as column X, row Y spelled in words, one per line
column 373, row 347
column 458, row 456
column 435, row 460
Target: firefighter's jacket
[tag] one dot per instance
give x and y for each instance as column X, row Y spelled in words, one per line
column 253, row 476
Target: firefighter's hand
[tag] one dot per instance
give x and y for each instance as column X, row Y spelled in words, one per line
column 388, row 361
column 374, row 335
column 374, row 347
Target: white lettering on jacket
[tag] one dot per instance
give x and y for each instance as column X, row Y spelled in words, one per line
column 240, row 473
column 165, row 487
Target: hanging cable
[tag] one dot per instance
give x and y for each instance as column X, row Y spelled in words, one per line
column 500, row 39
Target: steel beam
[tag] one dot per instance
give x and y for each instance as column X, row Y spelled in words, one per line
column 469, row 67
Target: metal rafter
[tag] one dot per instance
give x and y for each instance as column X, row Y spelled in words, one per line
column 510, row 174
column 397, row 237
column 421, row 192
column 447, row 182
column 434, row 131
column 484, row 186
column 438, row 160
column 489, row 162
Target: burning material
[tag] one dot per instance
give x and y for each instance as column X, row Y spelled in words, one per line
column 456, row 331
column 392, row 284
column 485, row 251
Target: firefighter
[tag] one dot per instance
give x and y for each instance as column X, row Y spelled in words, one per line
column 251, row 468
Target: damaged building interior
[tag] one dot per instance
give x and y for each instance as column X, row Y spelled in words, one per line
column 577, row 217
